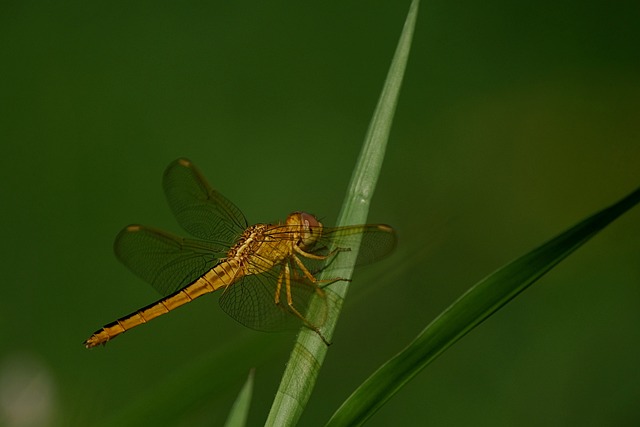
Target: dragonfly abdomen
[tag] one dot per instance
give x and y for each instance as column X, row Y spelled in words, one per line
column 222, row 275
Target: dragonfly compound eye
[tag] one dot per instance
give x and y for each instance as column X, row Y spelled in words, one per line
column 311, row 229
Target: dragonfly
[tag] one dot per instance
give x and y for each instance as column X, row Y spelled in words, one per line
column 267, row 273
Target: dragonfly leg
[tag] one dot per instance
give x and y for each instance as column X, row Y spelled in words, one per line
column 319, row 257
column 279, row 286
column 294, row 310
column 313, row 279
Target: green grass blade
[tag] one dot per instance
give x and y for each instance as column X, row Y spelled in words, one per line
column 240, row 408
column 194, row 385
column 471, row 309
column 309, row 351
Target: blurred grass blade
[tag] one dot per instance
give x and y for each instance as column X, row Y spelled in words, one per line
column 240, row 408
column 194, row 385
column 476, row 305
column 309, row 351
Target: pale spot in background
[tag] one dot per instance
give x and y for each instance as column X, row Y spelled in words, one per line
column 27, row 391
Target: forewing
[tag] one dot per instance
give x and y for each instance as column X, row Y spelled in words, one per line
column 199, row 209
column 376, row 242
column 166, row 261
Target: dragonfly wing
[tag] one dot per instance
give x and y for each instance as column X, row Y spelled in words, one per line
column 252, row 302
column 166, row 261
column 376, row 242
column 199, row 209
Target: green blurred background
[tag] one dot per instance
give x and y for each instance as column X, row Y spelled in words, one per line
column 515, row 121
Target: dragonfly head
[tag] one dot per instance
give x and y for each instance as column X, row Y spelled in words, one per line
column 310, row 228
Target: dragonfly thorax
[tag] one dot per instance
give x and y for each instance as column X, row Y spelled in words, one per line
column 249, row 242
column 261, row 247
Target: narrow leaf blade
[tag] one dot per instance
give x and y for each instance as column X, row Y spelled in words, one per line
column 471, row 309
column 309, row 350
column 240, row 409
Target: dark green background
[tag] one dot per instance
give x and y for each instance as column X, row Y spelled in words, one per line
column 516, row 120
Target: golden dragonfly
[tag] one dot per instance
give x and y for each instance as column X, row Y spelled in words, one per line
column 267, row 272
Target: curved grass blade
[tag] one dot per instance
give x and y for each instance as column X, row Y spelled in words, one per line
column 471, row 309
column 309, row 351
column 240, row 408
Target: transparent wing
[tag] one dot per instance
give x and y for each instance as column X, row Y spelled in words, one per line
column 166, row 261
column 252, row 302
column 376, row 241
column 200, row 210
